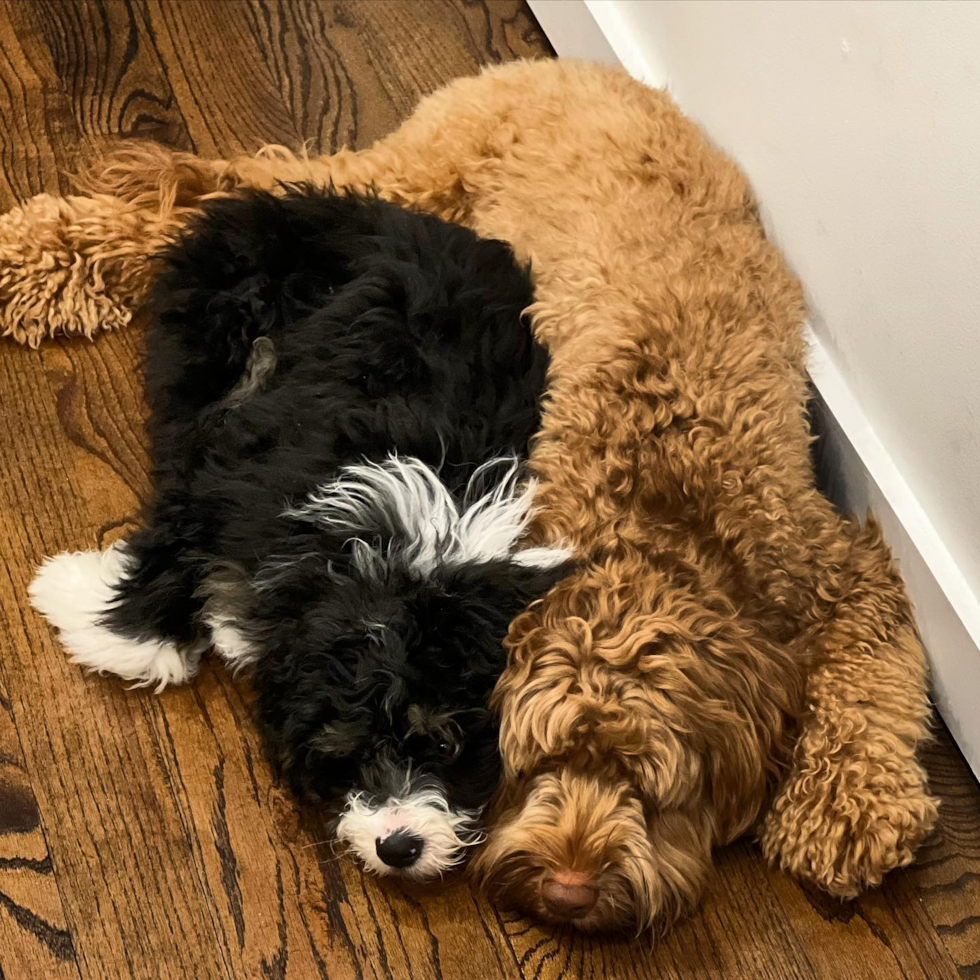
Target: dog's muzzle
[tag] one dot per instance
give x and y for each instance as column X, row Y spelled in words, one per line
column 415, row 834
column 400, row 849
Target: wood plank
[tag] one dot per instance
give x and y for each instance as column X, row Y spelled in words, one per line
column 222, row 116
column 145, row 836
column 413, row 46
column 105, row 62
column 132, row 898
column 32, row 116
column 34, row 936
column 327, row 72
column 946, row 878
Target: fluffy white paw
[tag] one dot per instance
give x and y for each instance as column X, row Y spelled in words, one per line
column 74, row 591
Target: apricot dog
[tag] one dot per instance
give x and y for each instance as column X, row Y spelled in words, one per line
column 732, row 655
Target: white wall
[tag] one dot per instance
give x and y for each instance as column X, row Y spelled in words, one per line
column 858, row 124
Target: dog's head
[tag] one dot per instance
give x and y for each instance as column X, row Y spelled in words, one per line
column 642, row 723
column 382, row 639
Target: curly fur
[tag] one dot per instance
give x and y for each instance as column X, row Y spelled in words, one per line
column 80, row 264
column 734, row 654
column 340, row 395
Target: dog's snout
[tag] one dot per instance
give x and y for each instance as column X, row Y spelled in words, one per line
column 569, row 895
column 400, row 849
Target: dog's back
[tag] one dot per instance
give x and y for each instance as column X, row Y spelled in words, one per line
column 385, row 331
column 291, row 336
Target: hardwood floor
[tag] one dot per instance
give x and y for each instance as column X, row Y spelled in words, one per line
column 142, row 835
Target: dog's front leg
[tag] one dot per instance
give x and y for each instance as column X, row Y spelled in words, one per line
column 855, row 803
column 128, row 611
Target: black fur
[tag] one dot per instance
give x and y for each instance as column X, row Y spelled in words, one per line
column 392, row 331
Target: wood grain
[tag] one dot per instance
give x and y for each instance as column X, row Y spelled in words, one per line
column 32, row 919
column 144, row 836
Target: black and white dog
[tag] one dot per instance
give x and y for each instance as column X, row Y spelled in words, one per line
column 341, row 394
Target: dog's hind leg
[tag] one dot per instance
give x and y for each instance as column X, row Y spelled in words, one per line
column 128, row 611
column 72, row 265
column 855, row 803
column 81, row 264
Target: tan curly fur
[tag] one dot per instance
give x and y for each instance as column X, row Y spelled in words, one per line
column 732, row 655
column 80, row 264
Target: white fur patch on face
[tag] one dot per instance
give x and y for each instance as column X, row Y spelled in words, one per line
column 74, row 591
column 425, row 814
column 406, row 498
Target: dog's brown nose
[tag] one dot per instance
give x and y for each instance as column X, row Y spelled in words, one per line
column 569, row 895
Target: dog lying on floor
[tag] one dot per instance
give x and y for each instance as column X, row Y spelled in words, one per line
column 735, row 655
column 341, row 394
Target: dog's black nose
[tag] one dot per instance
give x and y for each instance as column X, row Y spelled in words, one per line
column 400, row 850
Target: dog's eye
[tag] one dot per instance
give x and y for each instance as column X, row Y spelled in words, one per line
column 448, row 750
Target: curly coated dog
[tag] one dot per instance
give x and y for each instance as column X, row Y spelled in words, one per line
column 341, row 393
column 731, row 655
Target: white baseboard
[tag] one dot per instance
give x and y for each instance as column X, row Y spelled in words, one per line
column 859, row 474
column 572, row 31
column 858, row 471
